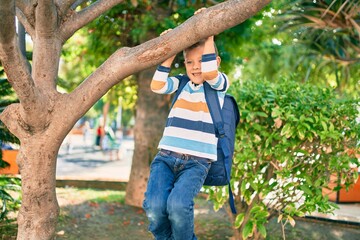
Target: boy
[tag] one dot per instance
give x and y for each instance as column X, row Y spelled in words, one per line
column 188, row 145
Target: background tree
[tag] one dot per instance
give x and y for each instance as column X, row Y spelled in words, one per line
column 307, row 41
column 43, row 117
column 330, row 30
column 121, row 26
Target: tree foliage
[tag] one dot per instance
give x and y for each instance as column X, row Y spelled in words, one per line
column 307, row 41
column 292, row 137
column 330, row 29
column 127, row 25
column 9, row 202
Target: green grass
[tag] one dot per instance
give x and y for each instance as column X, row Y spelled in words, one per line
column 103, row 196
column 93, row 195
column 8, row 230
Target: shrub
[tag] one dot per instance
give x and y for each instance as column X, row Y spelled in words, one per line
column 290, row 139
column 9, row 186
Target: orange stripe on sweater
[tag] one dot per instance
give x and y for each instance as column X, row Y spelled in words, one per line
column 210, row 75
column 196, row 107
column 157, row 85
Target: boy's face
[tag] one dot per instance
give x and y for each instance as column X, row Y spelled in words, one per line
column 193, row 64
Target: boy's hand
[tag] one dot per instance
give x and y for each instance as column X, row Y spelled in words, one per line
column 199, row 10
column 167, row 62
column 210, row 40
column 166, row 31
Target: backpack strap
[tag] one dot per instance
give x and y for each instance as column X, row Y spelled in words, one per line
column 183, row 80
column 213, row 103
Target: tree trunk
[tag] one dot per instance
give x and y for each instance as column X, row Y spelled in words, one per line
column 151, row 114
column 39, row 210
column 40, row 142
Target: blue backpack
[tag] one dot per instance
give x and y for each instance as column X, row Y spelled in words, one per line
column 225, row 121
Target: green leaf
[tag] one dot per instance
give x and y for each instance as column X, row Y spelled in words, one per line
column 248, row 230
column 307, row 126
column 324, row 125
column 276, row 112
column 263, row 214
column 310, row 137
column 261, row 114
column 286, row 129
column 301, row 133
column 309, row 119
column 255, row 209
column 239, row 220
column 262, row 230
column 291, row 221
column 306, row 189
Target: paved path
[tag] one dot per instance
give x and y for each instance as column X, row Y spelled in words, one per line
column 85, row 162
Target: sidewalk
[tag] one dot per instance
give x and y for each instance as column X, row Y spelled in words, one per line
column 86, row 163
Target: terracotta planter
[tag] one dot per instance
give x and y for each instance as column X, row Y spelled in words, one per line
column 9, row 156
column 343, row 196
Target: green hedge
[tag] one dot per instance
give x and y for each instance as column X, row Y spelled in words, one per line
column 290, row 139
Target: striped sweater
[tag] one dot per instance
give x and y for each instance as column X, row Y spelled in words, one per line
column 189, row 129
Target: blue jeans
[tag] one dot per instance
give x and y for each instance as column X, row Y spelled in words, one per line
column 169, row 198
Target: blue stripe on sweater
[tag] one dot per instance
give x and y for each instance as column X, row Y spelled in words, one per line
column 190, row 125
column 170, row 85
column 225, row 82
column 189, row 144
column 208, row 57
column 163, row 69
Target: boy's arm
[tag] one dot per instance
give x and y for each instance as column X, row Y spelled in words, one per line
column 209, row 46
column 209, row 66
column 161, row 82
column 167, row 63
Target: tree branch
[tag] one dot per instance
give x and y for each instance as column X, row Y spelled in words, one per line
column 64, row 5
column 127, row 61
column 47, row 46
column 24, row 20
column 21, row 4
column 10, row 55
column 11, row 117
column 77, row 3
column 80, row 19
column 46, row 19
column 25, row 14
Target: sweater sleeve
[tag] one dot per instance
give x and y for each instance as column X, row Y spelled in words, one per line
column 161, row 82
column 210, row 73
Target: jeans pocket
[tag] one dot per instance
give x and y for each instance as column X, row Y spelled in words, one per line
column 204, row 163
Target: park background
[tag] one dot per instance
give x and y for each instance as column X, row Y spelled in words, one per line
column 311, row 47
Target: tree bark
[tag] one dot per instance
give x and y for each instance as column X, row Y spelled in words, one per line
column 151, row 114
column 39, row 210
